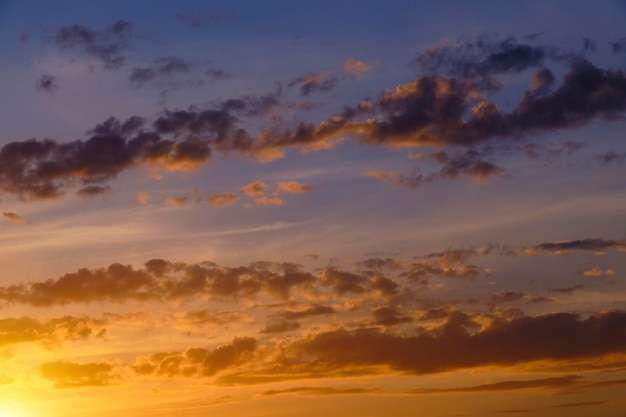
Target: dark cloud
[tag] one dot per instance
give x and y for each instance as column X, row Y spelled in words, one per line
column 609, row 156
column 43, row 169
column 198, row 362
column 76, row 375
column 162, row 67
column 47, row 84
column 568, row 290
column 251, row 105
column 486, row 56
column 92, row 191
column 342, row 282
column 566, row 246
column 313, row 82
column 618, row 46
column 506, row 297
column 218, row 74
column 200, row 19
column 308, row 311
column 107, row 45
column 161, row 281
column 388, row 316
column 558, row 336
column 384, row 285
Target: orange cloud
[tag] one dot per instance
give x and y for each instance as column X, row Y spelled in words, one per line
column 294, row 187
column 254, row 189
column 143, row 197
column 269, row 201
column 176, row 201
column 356, row 67
column 222, row 200
column 12, row 217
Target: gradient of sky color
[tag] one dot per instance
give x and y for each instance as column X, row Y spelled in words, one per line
column 381, row 208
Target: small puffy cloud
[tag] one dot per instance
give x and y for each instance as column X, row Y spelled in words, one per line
column 47, row 84
column 595, row 272
column 356, row 67
column 222, row 200
column 254, row 189
column 177, row 201
column 143, row 197
column 294, row 187
column 106, row 45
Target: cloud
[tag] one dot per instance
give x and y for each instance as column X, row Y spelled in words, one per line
column 595, row 272
column 488, row 55
column 47, row 83
column 76, row 375
column 205, row 317
column 12, row 217
column 609, row 156
column 254, row 189
column 566, row 246
column 162, row 67
column 618, row 45
column 143, row 197
column 42, row 169
column 356, row 67
column 107, row 45
column 206, row 18
column 309, row 311
column 176, row 201
column 557, row 336
column 269, row 201
column 506, row 297
column 280, row 327
column 222, row 200
column 313, row 82
column 162, row 280
column 388, row 316
column 218, row 74
column 48, row 332
column 294, row 187
column 198, row 362
column 568, row 290
column 92, row 191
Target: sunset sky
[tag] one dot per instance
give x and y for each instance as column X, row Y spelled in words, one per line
column 303, row 208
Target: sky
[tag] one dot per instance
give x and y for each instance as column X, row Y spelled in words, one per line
column 279, row 208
